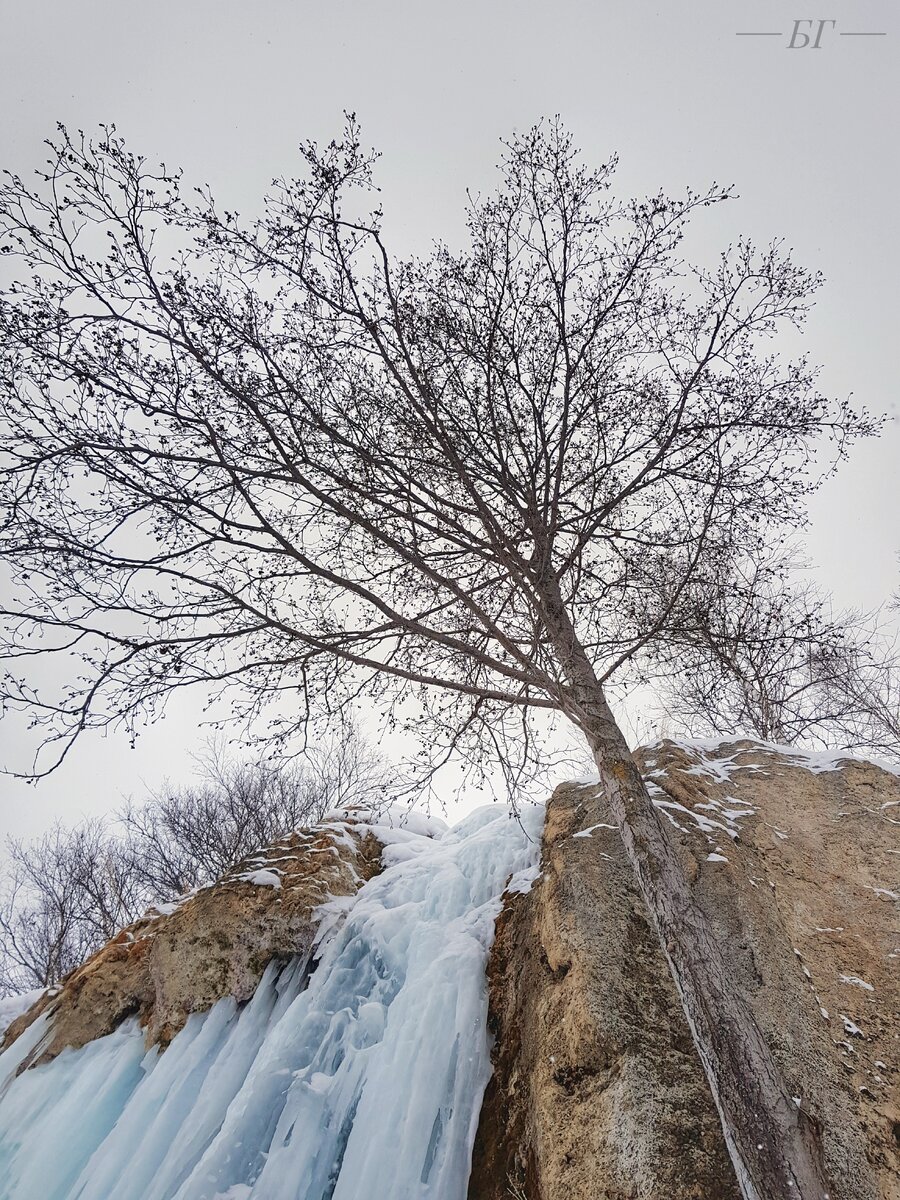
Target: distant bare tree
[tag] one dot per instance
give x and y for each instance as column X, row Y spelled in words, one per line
column 187, row 836
column 66, row 893
column 861, row 691
column 279, row 459
column 755, row 653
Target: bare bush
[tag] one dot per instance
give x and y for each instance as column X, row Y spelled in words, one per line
column 184, row 837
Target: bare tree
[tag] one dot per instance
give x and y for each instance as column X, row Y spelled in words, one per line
column 753, row 651
column 861, row 696
column 185, row 837
column 279, row 459
column 66, row 893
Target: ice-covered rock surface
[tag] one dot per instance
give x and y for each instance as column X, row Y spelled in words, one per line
column 13, row 1006
column 363, row 1079
column 214, row 942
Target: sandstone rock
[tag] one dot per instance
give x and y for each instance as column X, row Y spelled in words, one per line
column 182, row 958
column 597, row 1092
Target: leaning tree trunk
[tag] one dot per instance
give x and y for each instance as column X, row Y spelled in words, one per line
column 773, row 1145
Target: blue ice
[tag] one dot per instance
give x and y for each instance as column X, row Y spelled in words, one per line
column 361, row 1080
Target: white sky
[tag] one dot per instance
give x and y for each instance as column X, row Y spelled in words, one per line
column 226, row 89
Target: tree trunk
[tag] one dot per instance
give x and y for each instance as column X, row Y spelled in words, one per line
column 773, row 1145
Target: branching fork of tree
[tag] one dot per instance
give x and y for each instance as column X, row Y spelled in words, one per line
column 275, row 457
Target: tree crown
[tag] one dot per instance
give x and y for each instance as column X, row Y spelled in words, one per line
column 279, row 457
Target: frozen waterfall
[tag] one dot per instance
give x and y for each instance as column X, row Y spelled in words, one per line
column 362, row 1080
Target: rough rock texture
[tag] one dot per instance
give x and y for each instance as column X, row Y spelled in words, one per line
column 182, row 958
column 597, row 1093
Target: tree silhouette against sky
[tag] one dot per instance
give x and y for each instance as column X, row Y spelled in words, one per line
column 275, row 459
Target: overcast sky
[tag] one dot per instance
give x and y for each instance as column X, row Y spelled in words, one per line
column 226, row 89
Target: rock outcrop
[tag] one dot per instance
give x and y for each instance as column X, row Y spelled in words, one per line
column 182, row 958
column 597, row 1092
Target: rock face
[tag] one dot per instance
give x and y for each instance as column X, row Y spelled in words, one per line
column 597, row 1093
column 182, row 958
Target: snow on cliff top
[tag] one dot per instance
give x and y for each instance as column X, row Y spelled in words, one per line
column 813, row 760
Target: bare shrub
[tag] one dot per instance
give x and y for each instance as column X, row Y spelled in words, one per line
column 184, row 837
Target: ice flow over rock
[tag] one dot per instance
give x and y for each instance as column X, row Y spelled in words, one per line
column 363, row 1079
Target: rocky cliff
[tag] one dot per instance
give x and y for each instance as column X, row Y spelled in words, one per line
column 356, row 1072
column 182, row 958
column 365, row 1077
column 596, row 1089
